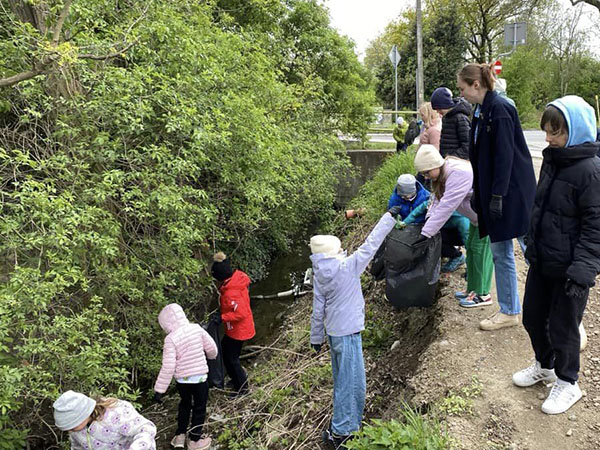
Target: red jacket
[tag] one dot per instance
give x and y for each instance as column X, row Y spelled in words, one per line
column 235, row 307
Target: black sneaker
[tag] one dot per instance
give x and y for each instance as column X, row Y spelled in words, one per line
column 335, row 441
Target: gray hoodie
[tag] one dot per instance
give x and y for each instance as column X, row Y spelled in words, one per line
column 338, row 302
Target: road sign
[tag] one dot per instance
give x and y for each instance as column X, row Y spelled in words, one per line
column 394, row 56
column 497, row 67
column 515, row 34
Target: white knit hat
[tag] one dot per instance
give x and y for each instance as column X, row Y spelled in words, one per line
column 428, row 158
column 325, row 243
column 400, row 120
column 406, row 184
column 71, row 409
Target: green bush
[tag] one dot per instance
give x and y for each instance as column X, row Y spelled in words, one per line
column 415, row 432
column 374, row 195
column 120, row 176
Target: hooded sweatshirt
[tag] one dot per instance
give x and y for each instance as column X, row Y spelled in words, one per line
column 564, row 235
column 186, row 347
column 338, row 302
column 235, row 307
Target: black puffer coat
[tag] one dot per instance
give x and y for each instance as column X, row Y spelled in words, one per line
column 456, row 128
column 564, row 236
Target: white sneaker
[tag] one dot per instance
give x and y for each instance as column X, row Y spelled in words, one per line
column 562, row 396
column 178, row 441
column 582, row 338
column 533, row 374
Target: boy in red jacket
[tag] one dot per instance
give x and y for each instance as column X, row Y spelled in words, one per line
column 237, row 315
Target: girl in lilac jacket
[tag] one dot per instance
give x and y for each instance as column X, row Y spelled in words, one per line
column 185, row 350
column 452, row 188
column 106, row 423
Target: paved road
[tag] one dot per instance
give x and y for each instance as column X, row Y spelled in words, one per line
column 536, row 141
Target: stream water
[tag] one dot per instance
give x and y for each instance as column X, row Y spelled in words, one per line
column 285, row 271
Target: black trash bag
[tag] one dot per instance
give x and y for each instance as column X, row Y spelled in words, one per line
column 412, row 271
column 216, row 369
column 378, row 265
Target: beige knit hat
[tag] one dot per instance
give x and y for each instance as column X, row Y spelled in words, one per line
column 428, row 158
column 325, row 243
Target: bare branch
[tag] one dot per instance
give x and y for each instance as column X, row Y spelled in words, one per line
column 9, row 81
column 60, row 22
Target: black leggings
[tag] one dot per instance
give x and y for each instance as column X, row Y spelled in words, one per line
column 193, row 399
column 231, row 358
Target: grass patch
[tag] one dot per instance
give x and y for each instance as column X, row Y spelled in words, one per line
column 461, row 402
column 414, row 432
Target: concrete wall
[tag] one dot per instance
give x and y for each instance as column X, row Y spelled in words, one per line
column 365, row 163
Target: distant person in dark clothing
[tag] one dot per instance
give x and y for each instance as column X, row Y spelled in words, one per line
column 456, row 125
column 563, row 249
column 413, row 132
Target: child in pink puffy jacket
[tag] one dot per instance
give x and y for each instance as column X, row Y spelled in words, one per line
column 185, row 350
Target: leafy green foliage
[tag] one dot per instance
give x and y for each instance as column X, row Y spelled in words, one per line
column 443, row 40
column 415, row 432
column 205, row 127
column 461, row 402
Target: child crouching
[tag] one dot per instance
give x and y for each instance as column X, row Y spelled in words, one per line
column 106, row 423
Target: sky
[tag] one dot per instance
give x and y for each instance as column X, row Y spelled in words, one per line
column 364, row 20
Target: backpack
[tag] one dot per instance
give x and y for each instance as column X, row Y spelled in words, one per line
column 412, row 132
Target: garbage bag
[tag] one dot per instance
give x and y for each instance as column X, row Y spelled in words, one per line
column 412, row 271
column 216, row 368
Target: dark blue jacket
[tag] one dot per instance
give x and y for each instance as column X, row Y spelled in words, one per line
column 408, row 206
column 501, row 166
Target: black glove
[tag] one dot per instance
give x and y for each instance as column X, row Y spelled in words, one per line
column 574, row 290
column 421, row 239
column 316, row 347
column 158, row 397
column 496, row 207
column 395, row 210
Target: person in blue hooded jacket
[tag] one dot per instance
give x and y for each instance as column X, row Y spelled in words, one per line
column 408, row 195
column 563, row 249
column 339, row 314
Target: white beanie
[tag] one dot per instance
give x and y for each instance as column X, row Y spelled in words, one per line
column 71, row 409
column 428, row 158
column 406, row 184
column 325, row 243
column 400, row 121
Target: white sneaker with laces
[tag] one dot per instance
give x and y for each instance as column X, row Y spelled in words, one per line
column 562, row 396
column 532, row 375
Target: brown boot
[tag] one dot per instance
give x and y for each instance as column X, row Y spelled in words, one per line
column 499, row 320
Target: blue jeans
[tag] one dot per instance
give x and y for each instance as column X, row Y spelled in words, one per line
column 349, row 383
column 506, row 276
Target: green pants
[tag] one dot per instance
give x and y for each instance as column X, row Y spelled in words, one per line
column 480, row 264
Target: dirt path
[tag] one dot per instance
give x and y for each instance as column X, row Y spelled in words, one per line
column 504, row 416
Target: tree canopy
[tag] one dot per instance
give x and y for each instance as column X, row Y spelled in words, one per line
column 136, row 138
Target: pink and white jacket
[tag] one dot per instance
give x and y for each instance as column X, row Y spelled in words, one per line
column 121, row 428
column 186, row 347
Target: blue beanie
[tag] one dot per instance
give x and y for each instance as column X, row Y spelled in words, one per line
column 442, row 98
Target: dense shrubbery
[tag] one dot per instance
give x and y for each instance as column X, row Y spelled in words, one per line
column 121, row 175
